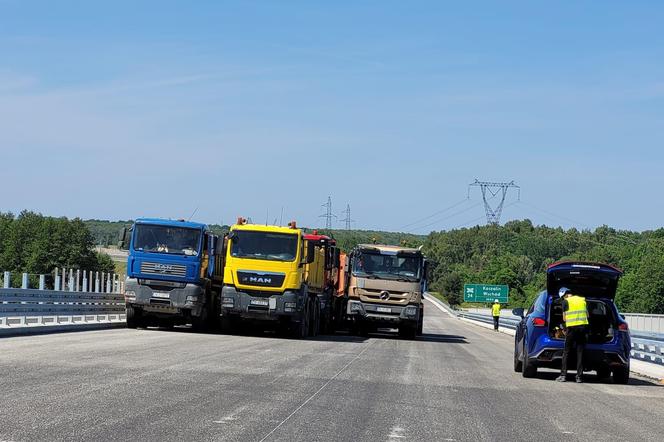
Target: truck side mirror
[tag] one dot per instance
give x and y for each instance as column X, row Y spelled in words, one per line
column 518, row 312
column 346, row 263
column 219, row 247
column 123, row 243
column 311, row 252
column 337, row 258
column 212, row 245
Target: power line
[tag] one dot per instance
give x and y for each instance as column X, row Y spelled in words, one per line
column 553, row 216
column 434, row 214
column 493, row 213
column 449, row 216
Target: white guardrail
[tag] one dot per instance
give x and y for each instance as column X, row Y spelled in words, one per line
column 22, row 310
column 646, row 346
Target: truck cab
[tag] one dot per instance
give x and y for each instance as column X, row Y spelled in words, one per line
column 173, row 273
column 264, row 279
column 385, row 287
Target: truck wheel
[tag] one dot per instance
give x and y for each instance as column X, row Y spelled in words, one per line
column 408, row 331
column 133, row 317
column 227, row 324
column 201, row 323
column 315, row 318
column 420, row 324
column 301, row 329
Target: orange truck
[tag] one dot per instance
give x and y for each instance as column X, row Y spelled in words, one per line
column 325, row 277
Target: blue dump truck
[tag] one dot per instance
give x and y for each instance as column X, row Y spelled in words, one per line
column 174, row 274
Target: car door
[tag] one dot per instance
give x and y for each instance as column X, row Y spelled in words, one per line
column 521, row 328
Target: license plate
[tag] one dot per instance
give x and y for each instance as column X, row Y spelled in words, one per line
column 262, row 302
column 383, row 310
column 163, row 295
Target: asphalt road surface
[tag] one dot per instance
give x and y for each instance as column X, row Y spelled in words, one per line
column 454, row 383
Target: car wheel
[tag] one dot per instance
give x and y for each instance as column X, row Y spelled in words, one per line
column 529, row 370
column 621, row 375
column 518, row 365
column 603, row 373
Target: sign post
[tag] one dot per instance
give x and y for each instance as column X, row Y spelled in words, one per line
column 485, row 293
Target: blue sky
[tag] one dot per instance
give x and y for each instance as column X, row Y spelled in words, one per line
column 130, row 108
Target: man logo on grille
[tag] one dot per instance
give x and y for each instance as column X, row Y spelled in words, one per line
column 260, row 279
column 163, row 268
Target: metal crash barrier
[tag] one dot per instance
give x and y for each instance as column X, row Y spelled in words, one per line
column 50, row 309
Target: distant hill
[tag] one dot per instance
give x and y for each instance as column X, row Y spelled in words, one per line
column 107, row 233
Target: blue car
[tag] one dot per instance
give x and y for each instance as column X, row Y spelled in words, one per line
column 539, row 339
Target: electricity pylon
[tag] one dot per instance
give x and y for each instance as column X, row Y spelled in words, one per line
column 347, row 219
column 328, row 215
column 493, row 214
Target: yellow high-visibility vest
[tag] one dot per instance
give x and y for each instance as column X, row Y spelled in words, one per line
column 495, row 310
column 577, row 312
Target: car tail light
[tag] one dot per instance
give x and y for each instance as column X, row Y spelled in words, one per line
column 623, row 326
column 539, row 322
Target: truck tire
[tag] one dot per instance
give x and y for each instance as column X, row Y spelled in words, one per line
column 227, row 325
column 314, row 325
column 300, row 330
column 133, row 317
column 420, row 323
column 408, row 331
column 201, row 323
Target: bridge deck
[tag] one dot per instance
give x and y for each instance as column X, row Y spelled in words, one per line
column 454, row 383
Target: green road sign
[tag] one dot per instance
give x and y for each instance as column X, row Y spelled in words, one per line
column 485, row 293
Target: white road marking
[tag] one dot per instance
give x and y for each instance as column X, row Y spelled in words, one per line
column 317, row 391
column 231, row 417
column 396, row 433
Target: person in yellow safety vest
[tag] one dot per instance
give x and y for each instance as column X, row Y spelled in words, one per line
column 575, row 315
column 495, row 312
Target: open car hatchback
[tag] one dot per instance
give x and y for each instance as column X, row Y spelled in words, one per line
column 540, row 340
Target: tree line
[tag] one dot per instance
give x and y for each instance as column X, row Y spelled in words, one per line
column 518, row 253
column 515, row 254
column 37, row 244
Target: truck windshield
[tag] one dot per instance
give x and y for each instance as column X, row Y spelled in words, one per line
column 165, row 239
column 264, row 245
column 380, row 266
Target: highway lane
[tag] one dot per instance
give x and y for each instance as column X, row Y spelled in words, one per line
column 454, row 383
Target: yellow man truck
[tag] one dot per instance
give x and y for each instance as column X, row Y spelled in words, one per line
column 264, row 280
column 384, row 289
